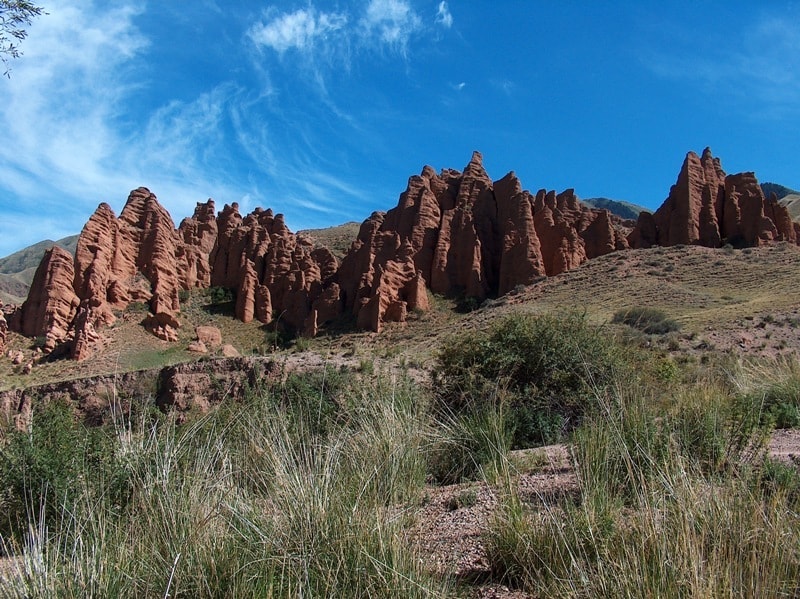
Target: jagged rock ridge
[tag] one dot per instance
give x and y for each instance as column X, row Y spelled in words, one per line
column 277, row 274
column 461, row 232
column 451, row 232
column 141, row 257
column 707, row 207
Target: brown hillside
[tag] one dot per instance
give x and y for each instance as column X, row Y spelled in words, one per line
column 743, row 301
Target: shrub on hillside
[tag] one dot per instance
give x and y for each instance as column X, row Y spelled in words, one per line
column 219, row 295
column 648, row 320
column 42, row 470
column 551, row 366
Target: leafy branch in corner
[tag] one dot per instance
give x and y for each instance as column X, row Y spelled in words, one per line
column 15, row 15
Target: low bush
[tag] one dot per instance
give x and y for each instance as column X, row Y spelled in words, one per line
column 651, row 321
column 550, row 367
column 773, row 389
column 42, row 470
column 219, row 295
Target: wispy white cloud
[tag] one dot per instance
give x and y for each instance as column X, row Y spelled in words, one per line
column 443, row 15
column 757, row 67
column 300, row 30
column 504, row 85
column 393, row 21
column 64, row 95
column 87, row 115
column 380, row 24
column 68, row 135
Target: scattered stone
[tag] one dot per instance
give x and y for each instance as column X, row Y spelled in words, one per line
column 209, row 335
column 198, row 347
column 229, row 351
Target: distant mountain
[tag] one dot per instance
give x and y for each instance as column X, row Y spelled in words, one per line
column 779, row 190
column 622, row 209
column 30, row 256
column 17, row 269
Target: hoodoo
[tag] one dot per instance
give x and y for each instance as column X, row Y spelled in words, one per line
column 709, row 208
column 451, row 232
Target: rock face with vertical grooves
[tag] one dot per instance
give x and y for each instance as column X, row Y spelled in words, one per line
column 52, row 303
column 454, row 233
column 709, row 208
column 198, row 234
column 277, row 274
column 3, row 332
column 460, row 233
column 133, row 258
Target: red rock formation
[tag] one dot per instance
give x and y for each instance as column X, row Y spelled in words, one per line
column 246, row 296
column 461, row 233
column 451, row 232
column 706, row 207
column 274, row 271
column 51, row 304
column 94, row 257
column 148, row 246
column 3, row 332
column 198, row 235
column 132, row 258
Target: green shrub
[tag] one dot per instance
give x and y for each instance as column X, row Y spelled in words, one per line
column 43, row 470
column 776, row 477
column 550, row 366
column 219, row 295
column 648, row 320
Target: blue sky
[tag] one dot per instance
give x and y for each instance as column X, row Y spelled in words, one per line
column 321, row 109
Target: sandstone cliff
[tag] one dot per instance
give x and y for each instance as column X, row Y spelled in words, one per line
column 52, row 303
column 454, row 233
column 457, row 232
column 141, row 257
column 277, row 274
column 132, row 258
column 707, row 207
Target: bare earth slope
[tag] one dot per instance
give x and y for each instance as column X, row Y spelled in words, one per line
column 744, row 301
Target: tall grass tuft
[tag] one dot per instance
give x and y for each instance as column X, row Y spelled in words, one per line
column 773, row 387
column 251, row 500
column 672, row 504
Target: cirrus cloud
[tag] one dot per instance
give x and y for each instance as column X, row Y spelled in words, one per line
column 379, row 24
column 299, row 30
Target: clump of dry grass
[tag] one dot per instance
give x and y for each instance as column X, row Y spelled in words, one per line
column 251, row 500
column 674, row 502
